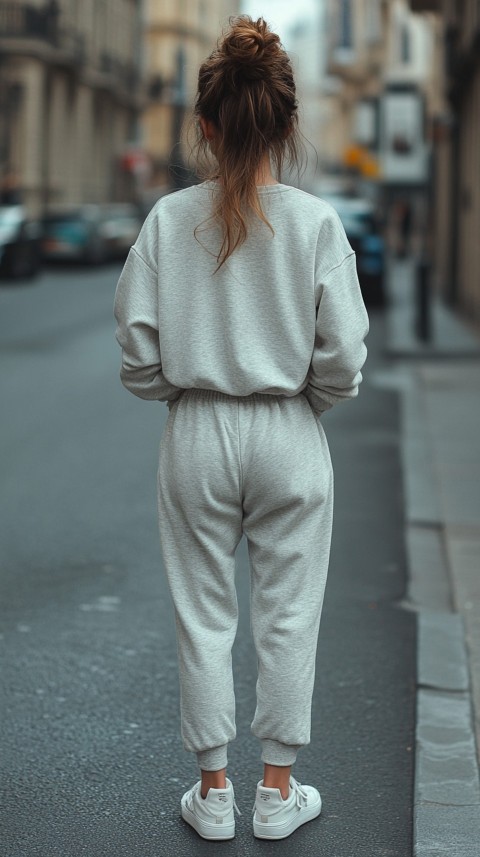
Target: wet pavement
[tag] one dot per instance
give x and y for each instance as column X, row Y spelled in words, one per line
column 92, row 761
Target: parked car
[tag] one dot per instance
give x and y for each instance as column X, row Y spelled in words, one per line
column 361, row 225
column 90, row 233
column 20, row 243
column 119, row 228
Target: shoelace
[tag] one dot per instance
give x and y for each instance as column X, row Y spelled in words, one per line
column 193, row 791
column 301, row 796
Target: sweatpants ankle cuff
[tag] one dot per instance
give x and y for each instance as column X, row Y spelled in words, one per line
column 214, row 759
column 275, row 753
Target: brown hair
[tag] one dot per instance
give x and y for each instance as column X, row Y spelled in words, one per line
column 246, row 89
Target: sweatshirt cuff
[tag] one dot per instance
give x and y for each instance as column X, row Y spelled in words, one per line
column 318, row 406
column 170, row 402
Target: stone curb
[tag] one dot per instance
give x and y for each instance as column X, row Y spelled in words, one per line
column 447, row 785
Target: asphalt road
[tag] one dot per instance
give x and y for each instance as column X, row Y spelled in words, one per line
column 91, row 758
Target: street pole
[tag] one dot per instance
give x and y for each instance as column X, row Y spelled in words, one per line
column 424, row 266
column 423, row 326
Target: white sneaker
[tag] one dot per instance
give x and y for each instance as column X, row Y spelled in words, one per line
column 213, row 816
column 275, row 818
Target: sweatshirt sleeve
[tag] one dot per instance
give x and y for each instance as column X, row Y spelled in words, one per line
column 339, row 350
column 136, row 313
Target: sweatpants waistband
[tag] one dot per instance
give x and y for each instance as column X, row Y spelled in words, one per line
column 218, row 396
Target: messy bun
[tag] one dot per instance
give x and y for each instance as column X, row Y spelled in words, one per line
column 251, row 48
column 247, row 90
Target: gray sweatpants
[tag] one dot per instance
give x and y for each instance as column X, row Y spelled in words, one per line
column 257, row 465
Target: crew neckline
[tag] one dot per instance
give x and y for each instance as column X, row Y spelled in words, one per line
column 210, row 184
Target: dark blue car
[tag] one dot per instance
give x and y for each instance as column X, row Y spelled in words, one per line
column 360, row 224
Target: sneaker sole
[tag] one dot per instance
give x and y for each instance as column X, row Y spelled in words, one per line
column 206, row 830
column 283, row 829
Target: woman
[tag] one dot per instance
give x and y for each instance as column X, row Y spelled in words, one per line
column 239, row 306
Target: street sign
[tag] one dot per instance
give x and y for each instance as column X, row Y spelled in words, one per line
column 403, row 148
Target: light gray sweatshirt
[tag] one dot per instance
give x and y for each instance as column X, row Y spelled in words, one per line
column 283, row 315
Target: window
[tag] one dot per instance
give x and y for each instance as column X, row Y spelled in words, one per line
column 373, row 22
column 345, row 24
column 405, row 44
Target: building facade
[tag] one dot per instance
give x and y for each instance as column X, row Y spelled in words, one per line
column 70, row 95
column 383, row 58
column 178, row 37
column 355, row 50
column 456, row 157
column 306, row 51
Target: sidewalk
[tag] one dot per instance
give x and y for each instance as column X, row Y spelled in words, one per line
column 441, row 459
column 449, row 336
